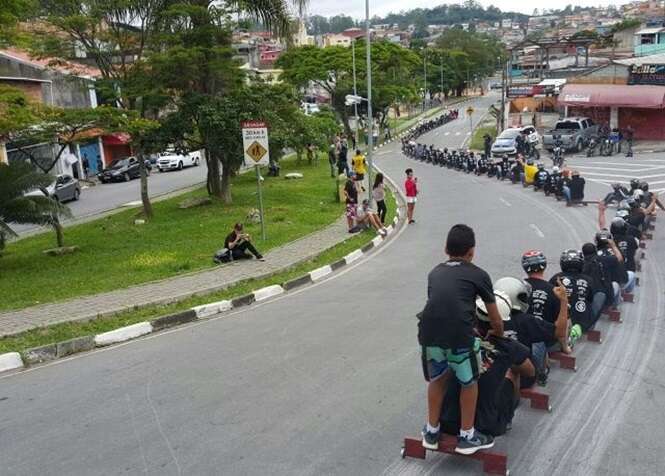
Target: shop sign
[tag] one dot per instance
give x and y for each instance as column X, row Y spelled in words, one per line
column 647, row 74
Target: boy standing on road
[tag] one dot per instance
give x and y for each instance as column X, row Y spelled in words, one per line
column 411, row 189
column 446, row 334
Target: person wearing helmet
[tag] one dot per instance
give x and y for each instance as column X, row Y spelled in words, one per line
column 626, row 237
column 613, row 261
column 530, row 171
column 604, row 290
column 648, row 196
column 580, row 290
column 634, row 185
column 617, row 195
column 446, row 335
column 506, row 364
column 573, row 189
column 537, row 334
column 542, row 303
column 542, row 177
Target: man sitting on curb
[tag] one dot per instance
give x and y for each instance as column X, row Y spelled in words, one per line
column 239, row 243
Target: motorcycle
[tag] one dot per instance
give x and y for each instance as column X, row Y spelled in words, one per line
column 591, row 147
column 557, row 155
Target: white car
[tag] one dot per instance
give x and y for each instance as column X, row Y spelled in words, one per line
column 171, row 160
column 531, row 133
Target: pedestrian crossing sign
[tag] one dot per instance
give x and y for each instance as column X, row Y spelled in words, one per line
column 255, row 143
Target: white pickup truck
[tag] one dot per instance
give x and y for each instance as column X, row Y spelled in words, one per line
column 171, row 160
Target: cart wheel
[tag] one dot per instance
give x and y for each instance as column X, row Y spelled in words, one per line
column 549, row 408
column 403, row 452
column 507, row 472
column 575, row 369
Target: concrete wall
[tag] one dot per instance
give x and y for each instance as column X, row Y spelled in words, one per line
column 68, row 91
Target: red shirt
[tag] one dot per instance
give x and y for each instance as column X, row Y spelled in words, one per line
column 410, row 187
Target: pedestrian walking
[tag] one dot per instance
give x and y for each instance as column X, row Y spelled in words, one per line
column 411, row 189
column 86, row 166
column 379, row 196
column 332, row 159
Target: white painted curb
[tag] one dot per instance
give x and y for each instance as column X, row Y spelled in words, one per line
column 268, row 292
column 10, row 361
column 390, row 229
column 395, row 221
column 319, row 273
column 123, row 334
column 353, row 256
column 207, row 310
column 377, row 241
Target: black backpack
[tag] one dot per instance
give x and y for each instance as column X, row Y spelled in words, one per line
column 223, row 256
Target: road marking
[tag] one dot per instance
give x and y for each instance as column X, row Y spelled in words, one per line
column 447, row 133
column 458, row 133
column 468, row 133
column 505, row 202
column 645, row 168
column 535, row 228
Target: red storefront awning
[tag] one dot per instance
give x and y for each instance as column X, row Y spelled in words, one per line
column 613, row 95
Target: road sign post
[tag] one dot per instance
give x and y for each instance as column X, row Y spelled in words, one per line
column 257, row 153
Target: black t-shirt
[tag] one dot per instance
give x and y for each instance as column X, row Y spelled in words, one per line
column 496, row 395
column 449, row 315
column 351, row 192
column 528, row 330
column 580, row 290
column 543, row 303
column 231, row 237
column 636, row 218
column 576, row 185
column 634, row 232
column 613, row 266
column 628, row 247
column 602, row 278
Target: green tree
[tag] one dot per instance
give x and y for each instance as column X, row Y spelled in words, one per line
column 17, row 179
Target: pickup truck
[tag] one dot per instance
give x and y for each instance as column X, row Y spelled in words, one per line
column 574, row 132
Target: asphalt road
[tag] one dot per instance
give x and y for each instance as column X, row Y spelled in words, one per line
column 327, row 379
column 104, row 197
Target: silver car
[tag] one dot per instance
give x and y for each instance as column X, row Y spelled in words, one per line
column 505, row 143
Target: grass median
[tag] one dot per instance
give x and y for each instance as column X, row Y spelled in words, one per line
column 61, row 332
column 477, row 141
column 115, row 253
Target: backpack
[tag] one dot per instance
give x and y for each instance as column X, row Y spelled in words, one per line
column 223, row 256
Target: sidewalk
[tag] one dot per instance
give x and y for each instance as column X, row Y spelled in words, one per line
column 173, row 289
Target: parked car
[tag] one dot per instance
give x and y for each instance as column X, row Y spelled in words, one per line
column 64, row 188
column 122, row 170
column 574, row 133
column 505, row 143
column 310, row 108
column 171, row 160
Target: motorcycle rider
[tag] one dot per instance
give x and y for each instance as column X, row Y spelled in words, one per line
column 542, row 177
column 618, row 194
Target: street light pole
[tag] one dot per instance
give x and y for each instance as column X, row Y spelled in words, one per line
column 355, row 88
column 503, row 95
column 370, row 119
column 442, row 95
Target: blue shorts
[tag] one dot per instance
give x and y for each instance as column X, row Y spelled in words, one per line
column 465, row 363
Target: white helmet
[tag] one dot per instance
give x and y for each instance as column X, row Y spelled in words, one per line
column 518, row 290
column 638, row 194
column 502, row 303
column 555, row 169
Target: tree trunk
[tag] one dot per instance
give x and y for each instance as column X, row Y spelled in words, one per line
column 59, row 235
column 145, row 197
column 214, row 187
column 345, row 122
column 226, row 185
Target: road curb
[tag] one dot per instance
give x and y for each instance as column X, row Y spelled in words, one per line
column 14, row 360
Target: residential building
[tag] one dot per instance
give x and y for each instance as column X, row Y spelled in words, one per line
column 649, row 41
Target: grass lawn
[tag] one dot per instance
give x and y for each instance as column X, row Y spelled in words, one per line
column 65, row 331
column 115, row 253
column 477, row 142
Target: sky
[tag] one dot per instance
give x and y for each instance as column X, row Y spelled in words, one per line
column 356, row 8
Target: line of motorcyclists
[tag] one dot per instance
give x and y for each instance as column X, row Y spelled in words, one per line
column 608, row 141
column 563, row 185
column 424, row 127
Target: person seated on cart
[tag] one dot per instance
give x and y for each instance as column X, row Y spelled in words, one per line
column 507, row 364
column 447, row 337
column 573, row 188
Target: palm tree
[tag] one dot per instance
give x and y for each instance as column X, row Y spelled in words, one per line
column 16, row 179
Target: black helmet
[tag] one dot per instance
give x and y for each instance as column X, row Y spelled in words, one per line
column 541, row 166
column 603, row 237
column 632, row 203
column 618, row 226
column 644, row 186
column 572, row 260
column 529, row 162
column 616, row 186
column 534, row 261
column 634, row 183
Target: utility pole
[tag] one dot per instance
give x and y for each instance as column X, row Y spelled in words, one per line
column 370, row 119
column 503, row 96
column 442, row 94
column 355, row 89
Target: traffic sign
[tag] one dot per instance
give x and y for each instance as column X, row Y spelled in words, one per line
column 470, row 110
column 255, row 143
